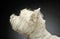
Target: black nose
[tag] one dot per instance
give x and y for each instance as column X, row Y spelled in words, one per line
column 12, row 16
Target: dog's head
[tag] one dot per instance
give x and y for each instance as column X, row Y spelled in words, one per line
column 27, row 21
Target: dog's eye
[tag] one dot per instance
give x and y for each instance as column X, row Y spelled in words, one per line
column 43, row 17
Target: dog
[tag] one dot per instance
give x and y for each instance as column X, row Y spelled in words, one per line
column 31, row 24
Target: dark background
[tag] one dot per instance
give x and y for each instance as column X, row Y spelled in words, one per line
column 50, row 10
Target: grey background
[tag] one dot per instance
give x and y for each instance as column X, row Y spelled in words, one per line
column 50, row 10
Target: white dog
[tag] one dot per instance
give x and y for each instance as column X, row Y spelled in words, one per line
column 32, row 24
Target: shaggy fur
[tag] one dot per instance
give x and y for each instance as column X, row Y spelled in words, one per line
column 32, row 24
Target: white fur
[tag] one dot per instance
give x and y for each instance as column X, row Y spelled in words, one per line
column 32, row 24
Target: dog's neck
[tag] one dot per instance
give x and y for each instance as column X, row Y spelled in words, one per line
column 40, row 33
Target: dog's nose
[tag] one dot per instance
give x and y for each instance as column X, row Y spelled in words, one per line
column 12, row 16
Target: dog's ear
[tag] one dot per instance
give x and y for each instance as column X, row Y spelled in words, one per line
column 37, row 10
column 34, row 15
